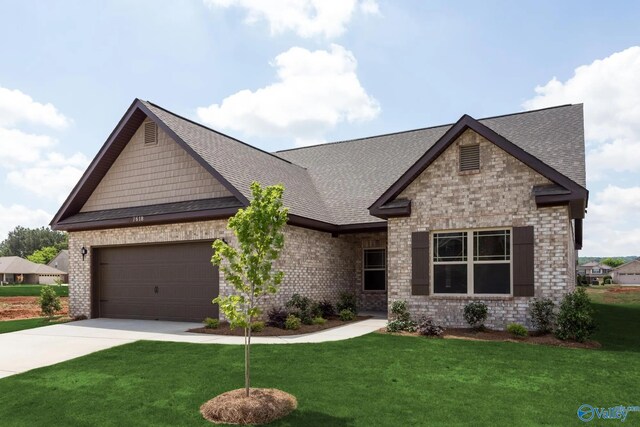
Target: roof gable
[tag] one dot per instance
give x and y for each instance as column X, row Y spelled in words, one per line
column 576, row 193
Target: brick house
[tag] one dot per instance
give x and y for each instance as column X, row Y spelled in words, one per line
column 486, row 209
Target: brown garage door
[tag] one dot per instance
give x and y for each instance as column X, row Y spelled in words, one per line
column 164, row 282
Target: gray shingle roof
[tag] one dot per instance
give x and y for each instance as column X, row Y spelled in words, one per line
column 17, row 265
column 337, row 182
column 351, row 175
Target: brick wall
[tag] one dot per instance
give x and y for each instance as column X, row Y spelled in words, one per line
column 498, row 196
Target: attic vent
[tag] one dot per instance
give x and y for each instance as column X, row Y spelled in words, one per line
column 150, row 133
column 469, row 157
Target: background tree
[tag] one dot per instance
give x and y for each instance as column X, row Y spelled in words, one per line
column 249, row 269
column 613, row 262
column 44, row 255
column 24, row 241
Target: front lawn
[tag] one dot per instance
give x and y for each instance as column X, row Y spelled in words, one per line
column 30, row 290
column 375, row 380
column 18, row 325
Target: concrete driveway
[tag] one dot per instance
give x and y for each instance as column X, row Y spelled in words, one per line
column 34, row 348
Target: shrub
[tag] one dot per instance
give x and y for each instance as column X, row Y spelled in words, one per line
column 607, row 280
column 211, row 323
column 475, row 314
column 49, row 301
column 277, row 317
column 346, row 315
column 257, row 326
column 575, row 318
column 319, row 321
column 517, row 330
column 401, row 318
column 401, row 325
column 347, row 301
column 542, row 315
column 301, row 307
column 426, row 326
column 326, row 309
column 292, row 322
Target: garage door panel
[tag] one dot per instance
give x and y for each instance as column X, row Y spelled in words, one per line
column 168, row 282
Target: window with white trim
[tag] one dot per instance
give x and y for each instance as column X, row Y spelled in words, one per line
column 374, row 269
column 472, row 262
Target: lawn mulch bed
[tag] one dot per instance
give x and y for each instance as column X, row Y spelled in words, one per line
column 14, row 308
column 491, row 335
column 270, row 331
column 262, row 406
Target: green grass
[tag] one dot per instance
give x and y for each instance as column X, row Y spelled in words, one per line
column 30, row 290
column 18, row 325
column 375, row 380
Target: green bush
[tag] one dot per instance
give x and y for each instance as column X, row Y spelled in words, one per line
column 319, row 321
column 542, row 314
column 426, row 326
column 517, row 330
column 301, row 307
column 257, row 326
column 475, row 314
column 347, row 301
column 607, row 280
column 292, row 322
column 211, row 323
column 49, row 301
column 401, row 318
column 401, row 325
column 346, row 315
column 575, row 318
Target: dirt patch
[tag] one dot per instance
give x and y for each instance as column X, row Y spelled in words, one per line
column 261, row 407
column 14, row 308
column 625, row 290
column 504, row 336
column 270, row 331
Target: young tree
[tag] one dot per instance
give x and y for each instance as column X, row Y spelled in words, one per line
column 249, row 268
column 44, row 255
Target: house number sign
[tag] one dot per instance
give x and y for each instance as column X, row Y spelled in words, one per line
column 138, row 218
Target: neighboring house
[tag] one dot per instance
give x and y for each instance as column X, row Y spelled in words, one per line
column 14, row 269
column 487, row 210
column 61, row 261
column 627, row 274
column 594, row 271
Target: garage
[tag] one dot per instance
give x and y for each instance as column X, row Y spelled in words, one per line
column 155, row 282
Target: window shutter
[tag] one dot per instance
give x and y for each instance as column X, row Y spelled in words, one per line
column 420, row 263
column 523, row 262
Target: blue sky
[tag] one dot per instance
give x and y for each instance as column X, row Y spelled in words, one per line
column 283, row 73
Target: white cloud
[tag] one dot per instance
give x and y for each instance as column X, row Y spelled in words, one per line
column 316, row 91
column 611, row 226
column 17, row 147
column 14, row 215
column 307, row 18
column 52, row 178
column 17, row 107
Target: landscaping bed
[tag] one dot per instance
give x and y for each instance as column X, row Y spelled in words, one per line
column 503, row 336
column 270, row 331
column 22, row 307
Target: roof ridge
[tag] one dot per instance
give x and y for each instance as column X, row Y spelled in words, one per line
column 420, row 129
column 222, row 134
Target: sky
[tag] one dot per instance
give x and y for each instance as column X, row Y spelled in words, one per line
column 287, row 73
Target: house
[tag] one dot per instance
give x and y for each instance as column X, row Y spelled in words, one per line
column 594, row 271
column 627, row 274
column 14, row 269
column 61, row 261
column 488, row 209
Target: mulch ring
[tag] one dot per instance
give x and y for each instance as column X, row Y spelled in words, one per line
column 270, row 331
column 14, row 308
column 261, row 407
column 491, row 335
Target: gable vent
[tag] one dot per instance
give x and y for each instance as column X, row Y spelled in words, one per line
column 150, row 133
column 469, row 157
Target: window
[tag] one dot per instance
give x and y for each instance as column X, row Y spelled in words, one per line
column 472, row 262
column 375, row 269
column 596, row 271
column 469, row 157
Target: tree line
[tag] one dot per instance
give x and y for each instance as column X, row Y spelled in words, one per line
column 38, row 245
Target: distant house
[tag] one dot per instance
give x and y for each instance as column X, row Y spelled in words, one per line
column 594, row 271
column 14, row 269
column 627, row 274
column 61, row 261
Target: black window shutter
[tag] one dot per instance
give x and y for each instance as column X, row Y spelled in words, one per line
column 420, row 263
column 523, row 262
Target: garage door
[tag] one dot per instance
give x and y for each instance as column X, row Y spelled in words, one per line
column 159, row 282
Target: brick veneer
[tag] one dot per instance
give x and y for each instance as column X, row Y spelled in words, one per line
column 497, row 196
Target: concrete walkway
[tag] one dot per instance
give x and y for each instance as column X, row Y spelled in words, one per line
column 33, row 348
